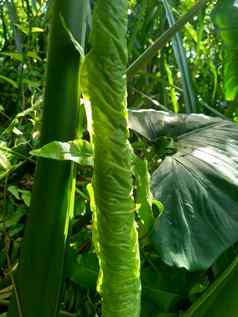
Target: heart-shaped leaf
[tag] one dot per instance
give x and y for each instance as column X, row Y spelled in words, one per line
column 198, row 187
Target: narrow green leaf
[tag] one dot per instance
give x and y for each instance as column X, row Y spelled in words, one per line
column 151, row 51
column 16, row 56
column 172, row 90
column 144, row 197
column 177, row 43
column 225, row 16
column 9, row 80
column 76, row 44
column 220, row 299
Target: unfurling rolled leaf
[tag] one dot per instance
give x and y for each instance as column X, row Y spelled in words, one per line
column 104, row 84
column 225, row 17
column 198, row 187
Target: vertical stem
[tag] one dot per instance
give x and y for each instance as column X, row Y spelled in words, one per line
column 104, row 76
column 39, row 275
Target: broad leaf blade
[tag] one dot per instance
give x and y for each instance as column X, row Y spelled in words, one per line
column 198, row 186
column 199, row 189
column 152, row 124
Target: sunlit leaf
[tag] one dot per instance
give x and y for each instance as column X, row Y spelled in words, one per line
column 78, row 151
column 4, row 161
column 225, row 16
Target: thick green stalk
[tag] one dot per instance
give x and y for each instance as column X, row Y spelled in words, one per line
column 104, row 81
column 39, row 276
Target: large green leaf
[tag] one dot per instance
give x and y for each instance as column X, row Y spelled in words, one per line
column 225, row 16
column 198, row 187
column 153, row 124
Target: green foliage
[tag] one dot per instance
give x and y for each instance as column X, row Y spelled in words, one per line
column 225, row 16
column 166, row 290
column 196, row 185
column 78, row 151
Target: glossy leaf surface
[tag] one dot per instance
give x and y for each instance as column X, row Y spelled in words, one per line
column 198, row 187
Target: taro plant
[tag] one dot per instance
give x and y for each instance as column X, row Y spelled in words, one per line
column 193, row 164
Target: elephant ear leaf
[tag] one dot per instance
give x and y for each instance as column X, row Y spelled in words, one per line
column 198, row 187
column 225, row 17
column 152, row 124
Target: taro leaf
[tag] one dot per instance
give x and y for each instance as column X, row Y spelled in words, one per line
column 78, row 151
column 225, row 17
column 153, row 124
column 197, row 186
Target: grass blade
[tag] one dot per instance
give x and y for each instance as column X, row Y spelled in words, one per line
column 151, row 51
column 179, row 52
